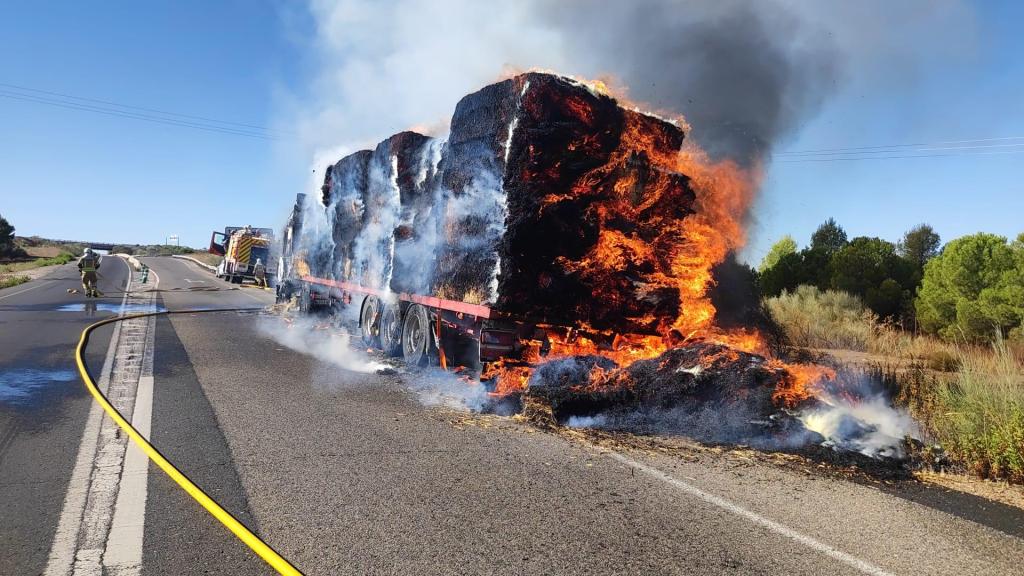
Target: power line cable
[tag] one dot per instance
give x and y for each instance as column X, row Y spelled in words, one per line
column 847, row 159
column 887, row 146
column 142, row 108
column 133, row 115
column 905, row 150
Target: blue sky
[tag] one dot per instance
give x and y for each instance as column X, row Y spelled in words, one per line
column 81, row 175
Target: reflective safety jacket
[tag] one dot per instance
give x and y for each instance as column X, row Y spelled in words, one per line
column 88, row 263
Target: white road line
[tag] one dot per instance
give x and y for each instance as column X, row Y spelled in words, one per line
column 835, row 554
column 123, row 555
column 65, row 541
column 40, row 284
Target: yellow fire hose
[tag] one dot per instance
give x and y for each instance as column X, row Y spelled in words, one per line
column 261, row 548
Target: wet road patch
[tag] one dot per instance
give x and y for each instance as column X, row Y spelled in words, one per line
column 26, row 386
column 128, row 308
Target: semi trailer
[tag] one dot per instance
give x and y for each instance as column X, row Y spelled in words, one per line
column 540, row 225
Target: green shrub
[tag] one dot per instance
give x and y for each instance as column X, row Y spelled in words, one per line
column 981, row 416
column 813, row 318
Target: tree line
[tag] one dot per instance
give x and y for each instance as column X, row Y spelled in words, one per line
column 970, row 289
column 8, row 249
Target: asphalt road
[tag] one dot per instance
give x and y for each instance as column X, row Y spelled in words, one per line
column 43, row 406
column 349, row 472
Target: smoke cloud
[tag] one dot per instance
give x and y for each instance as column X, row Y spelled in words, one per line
column 743, row 72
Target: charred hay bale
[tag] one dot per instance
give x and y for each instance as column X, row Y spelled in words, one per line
column 585, row 233
column 697, row 376
column 391, row 179
column 415, row 160
column 563, row 385
column 706, row 373
column 293, row 227
column 344, row 194
column 472, row 197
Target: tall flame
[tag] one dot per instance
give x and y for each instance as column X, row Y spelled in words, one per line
column 677, row 249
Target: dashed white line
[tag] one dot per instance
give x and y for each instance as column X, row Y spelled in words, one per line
column 771, row 525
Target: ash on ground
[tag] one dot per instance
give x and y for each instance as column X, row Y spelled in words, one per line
column 714, row 394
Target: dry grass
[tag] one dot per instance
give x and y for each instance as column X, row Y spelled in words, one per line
column 811, row 318
column 206, row 258
column 23, row 266
column 44, row 251
column 8, row 281
column 981, row 417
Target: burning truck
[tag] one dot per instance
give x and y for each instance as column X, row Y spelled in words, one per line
column 558, row 245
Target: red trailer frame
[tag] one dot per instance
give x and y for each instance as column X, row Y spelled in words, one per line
column 441, row 331
column 467, row 334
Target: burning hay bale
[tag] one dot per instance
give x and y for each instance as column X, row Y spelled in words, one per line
column 549, row 200
column 571, row 211
column 705, row 390
column 699, row 374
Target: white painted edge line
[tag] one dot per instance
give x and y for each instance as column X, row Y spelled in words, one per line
column 65, row 540
column 733, row 508
column 40, row 283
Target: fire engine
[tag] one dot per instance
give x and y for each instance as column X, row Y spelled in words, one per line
column 242, row 247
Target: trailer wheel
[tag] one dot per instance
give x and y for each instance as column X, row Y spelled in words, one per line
column 391, row 329
column 369, row 321
column 415, row 335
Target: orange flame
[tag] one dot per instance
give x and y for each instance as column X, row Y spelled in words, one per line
column 675, row 248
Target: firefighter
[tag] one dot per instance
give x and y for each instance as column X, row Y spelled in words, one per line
column 89, row 264
column 259, row 271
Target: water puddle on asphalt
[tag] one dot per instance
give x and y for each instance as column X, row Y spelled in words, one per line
column 22, row 387
column 91, row 307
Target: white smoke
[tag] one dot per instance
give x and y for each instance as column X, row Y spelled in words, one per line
column 387, row 67
column 305, row 335
column 434, row 387
column 374, row 247
column 870, row 426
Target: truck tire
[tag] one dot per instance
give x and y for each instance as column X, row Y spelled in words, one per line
column 415, row 335
column 390, row 329
column 369, row 321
